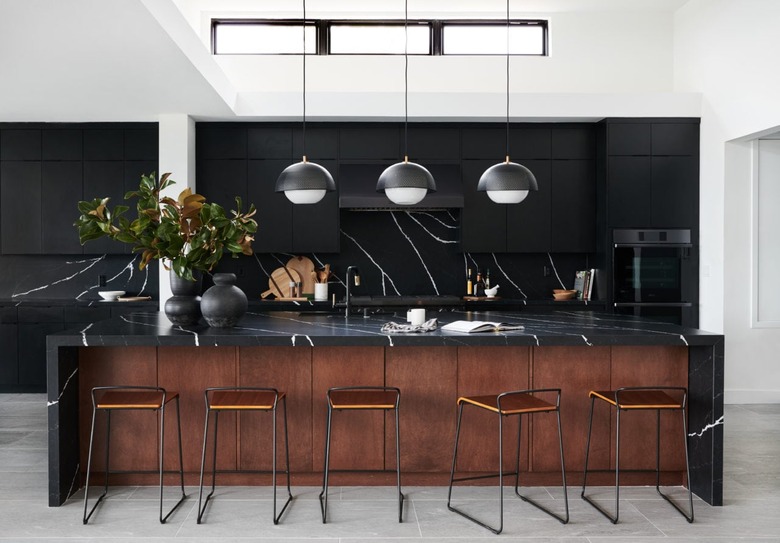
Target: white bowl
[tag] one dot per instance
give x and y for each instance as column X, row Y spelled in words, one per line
column 111, row 294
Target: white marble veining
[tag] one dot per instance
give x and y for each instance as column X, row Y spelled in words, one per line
column 91, row 262
column 555, row 270
column 495, row 259
column 64, row 388
column 707, row 428
column 414, row 247
column 375, row 263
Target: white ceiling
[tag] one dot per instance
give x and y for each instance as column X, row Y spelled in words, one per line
column 131, row 60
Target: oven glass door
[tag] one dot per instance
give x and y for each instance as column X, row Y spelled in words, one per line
column 649, row 274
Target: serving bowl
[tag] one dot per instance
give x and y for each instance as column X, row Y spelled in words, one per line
column 564, row 294
column 111, row 294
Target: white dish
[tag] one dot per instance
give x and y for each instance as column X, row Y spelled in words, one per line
column 110, row 295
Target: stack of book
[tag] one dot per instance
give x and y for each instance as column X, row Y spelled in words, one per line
column 583, row 284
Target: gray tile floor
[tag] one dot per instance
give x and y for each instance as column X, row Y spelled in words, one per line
column 750, row 513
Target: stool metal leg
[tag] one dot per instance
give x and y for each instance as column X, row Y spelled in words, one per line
column 87, row 516
column 287, row 460
column 181, row 464
column 612, row 519
column 398, row 465
column 202, row 511
column 688, row 517
column 324, row 493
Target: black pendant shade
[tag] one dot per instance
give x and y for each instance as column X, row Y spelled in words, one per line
column 406, row 183
column 507, row 182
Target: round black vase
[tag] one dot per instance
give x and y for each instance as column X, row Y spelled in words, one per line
column 184, row 306
column 224, row 303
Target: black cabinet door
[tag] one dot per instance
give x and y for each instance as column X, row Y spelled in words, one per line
column 629, row 183
column 320, row 143
column 274, row 210
column 629, row 139
column 370, row 143
column 61, row 183
column 315, row 228
column 63, row 144
column 32, row 352
column 574, row 142
column 433, row 143
column 220, row 181
column 270, row 143
column 528, row 223
column 221, row 143
column 9, row 367
column 20, row 144
column 483, row 223
column 573, row 206
column 104, row 144
column 141, row 144
column 675, row 200
column 671, row 139
column 20, row 207
column 105, row 178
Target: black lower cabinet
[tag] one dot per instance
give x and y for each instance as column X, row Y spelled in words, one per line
column 32, row 353
column 9, row 369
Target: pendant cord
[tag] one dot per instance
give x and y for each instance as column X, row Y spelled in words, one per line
column 507, row 80
column 406, row 79
column 304, row 80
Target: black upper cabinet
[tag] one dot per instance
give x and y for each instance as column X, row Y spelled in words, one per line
column 105, row 179
column 20, row 144
column 528, row 223
column 315, row 228
column 483, row 222
column 432, row 143
column 61, row 181
column 528, row 143
column 63, row 144
column 104, row 144
column 574, row 142
column 217, row 142
column 671, row 139
column 274, row 211
column 675, row 201
column 370, row 143
column 661, row 188
column 629, row 139
column 269, row 143
column 321, row 142
column 487, row 143
column 629, row 191
column 573, row 206
column 141, row 144
column 20, row 207
column 220, row 181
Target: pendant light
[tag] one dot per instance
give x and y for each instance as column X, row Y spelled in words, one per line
column 507, row 182
column 406, row 183
column 305, row 182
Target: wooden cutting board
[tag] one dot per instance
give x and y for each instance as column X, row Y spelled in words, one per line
column 279, row 282
column 305, row 267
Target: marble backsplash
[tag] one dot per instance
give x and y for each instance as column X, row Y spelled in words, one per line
column 398, row 253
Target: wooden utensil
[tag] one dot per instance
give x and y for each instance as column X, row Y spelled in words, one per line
column 304, row 266
column 279, row 282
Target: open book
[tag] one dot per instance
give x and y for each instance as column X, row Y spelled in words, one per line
column 480, row 326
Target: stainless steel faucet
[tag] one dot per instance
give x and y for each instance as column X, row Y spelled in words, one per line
column 356, row 274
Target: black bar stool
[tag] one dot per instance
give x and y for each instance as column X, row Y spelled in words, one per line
column 220, row 399
column 362, row 398
column 125, row 398
column 641, row 398
column 519, row 402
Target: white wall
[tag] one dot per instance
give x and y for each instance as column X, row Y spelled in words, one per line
column 728, row 50
column 615, row 53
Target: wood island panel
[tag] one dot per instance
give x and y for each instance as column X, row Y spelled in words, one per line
column 576, row 371
column 490, row 370
column 287, row 369
column 357, row 438
column 131, row 431
column 656, row 366
column 427, row 379
column 191, row 370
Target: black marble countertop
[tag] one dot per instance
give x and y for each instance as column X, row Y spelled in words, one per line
column 557, row 327
column 70, row 302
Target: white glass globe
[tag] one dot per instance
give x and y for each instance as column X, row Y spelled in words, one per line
column 406, row 196
column 308, row 196
column 507, row 196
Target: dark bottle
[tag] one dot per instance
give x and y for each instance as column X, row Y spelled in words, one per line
column 479, row 285
column 469, row 284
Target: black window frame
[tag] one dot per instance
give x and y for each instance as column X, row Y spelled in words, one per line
column 436, row 34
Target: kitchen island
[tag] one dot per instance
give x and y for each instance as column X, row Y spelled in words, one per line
column 304, row 354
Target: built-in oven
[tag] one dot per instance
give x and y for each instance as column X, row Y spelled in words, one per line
column 655, row 274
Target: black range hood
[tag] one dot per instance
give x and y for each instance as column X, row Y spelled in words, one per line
column 357, row 188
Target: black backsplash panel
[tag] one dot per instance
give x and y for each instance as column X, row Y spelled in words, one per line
column 411, row 253
column 75, row 277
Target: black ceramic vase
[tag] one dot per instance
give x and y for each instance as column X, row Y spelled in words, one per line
column 184, row 306
column 224, row 303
